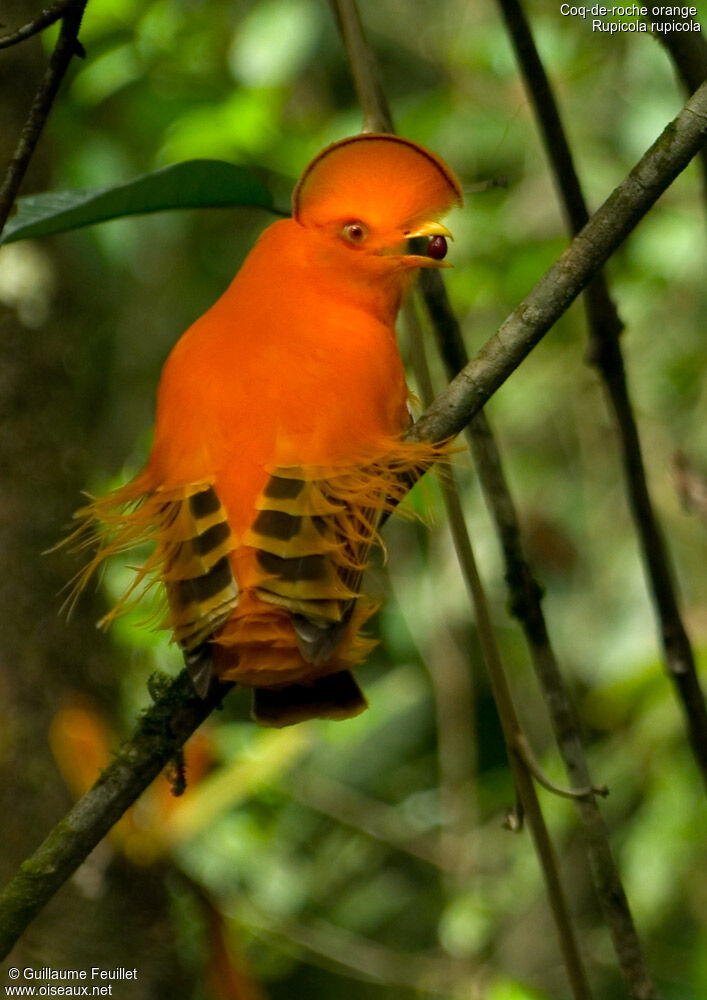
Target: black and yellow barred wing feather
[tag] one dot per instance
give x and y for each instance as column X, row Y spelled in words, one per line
column 192, row 543
column 312, row 546
column 279, row 608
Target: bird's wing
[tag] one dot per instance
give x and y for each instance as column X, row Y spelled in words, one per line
column 312, row 534
column 193, row 543
column 201, row 588
column 196, row 568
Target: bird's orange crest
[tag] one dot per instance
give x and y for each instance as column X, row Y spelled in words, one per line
column 375, row 177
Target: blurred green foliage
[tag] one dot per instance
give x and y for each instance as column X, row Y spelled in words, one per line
column 366, row 859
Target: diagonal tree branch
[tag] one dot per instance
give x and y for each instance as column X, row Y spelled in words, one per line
column 49, row 16
column 67, row 46
column 605, row 352
column 177, row 714
column 162, row 730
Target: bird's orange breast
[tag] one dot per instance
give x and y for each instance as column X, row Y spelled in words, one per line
column 283, row 371
column 280, row 371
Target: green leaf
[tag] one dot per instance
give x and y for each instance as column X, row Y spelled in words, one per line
column 190, row 184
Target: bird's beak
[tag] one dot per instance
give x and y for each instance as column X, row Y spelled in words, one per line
column 416, row 239
column 430, row 229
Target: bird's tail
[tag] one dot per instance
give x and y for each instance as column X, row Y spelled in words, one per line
column 336, row 696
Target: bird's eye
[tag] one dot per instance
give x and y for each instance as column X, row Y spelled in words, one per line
column 354, row 232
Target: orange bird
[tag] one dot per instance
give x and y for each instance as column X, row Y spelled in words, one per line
column 278, row 445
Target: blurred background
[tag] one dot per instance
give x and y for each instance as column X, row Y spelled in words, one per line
column 363, row 859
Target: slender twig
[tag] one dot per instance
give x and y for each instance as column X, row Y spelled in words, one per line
column 605, row 353
column 526, row 605
column 48, row 17
column 67, row 46
column 467, row 563
column 369, row 960
column 378, row 820
column 517, row 746
column 518, row 749
column 71, row 841
column 678, row 654
column 452, row 681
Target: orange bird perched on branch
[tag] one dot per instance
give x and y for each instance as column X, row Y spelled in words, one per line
column 278, row 445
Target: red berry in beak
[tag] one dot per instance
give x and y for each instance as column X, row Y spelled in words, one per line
column 437, row 248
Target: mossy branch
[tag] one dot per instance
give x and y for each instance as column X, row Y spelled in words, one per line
column 161, row 732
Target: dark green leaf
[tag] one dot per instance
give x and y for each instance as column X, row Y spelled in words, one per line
column 191, row 184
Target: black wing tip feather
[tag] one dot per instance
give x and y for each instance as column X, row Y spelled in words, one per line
column 336, row 696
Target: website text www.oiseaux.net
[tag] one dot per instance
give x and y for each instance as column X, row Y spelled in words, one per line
column 46, row 982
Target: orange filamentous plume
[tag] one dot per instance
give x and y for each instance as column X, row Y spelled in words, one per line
column 278, row 445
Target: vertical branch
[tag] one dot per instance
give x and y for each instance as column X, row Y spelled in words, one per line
column 377, row 116
column 512, row 731
column 525, row 598
column 66, row 48
column 605, row 353
column 526, row 593
column 452, row 684
column 364, row 69
column 517, row 749
column 688, row 50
